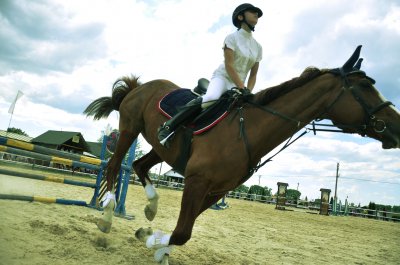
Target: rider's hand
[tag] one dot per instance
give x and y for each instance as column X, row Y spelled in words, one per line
column 241, row 91
column 245, row 91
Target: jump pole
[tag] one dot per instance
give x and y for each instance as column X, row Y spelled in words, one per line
column 56, row 153
column 46, row 178
column 60, row 157
column 124, row 180
column 41, row 199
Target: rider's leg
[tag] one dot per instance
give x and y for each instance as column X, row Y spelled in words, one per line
column 188, row 111
column 215, row 89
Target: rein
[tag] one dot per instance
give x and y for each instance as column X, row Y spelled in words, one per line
column 377, row 125
column 242, row 134
column 370, row 121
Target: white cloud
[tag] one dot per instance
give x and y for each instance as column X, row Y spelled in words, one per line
column 73, row 53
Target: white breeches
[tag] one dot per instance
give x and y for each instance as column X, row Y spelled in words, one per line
column 216, row 88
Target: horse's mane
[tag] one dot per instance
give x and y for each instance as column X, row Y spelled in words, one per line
column 270, row 94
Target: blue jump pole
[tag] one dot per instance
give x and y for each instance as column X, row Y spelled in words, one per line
column 75, row 160
column 94, row 202
column 120, row 209
column 47, row 178
column 41, row 199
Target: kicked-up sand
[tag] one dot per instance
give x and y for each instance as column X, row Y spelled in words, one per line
column 245, row 233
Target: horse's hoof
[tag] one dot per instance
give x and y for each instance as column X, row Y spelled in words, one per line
column 143, row 233
column 165, row 260
column 104, row 226
column 161, row 255
column 149, row 213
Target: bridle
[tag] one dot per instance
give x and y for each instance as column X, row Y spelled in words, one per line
column 370, row 120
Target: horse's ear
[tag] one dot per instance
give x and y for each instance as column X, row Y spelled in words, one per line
column 348, row 66
column 358, row 64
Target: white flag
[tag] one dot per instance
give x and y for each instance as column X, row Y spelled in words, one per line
column 12, row 107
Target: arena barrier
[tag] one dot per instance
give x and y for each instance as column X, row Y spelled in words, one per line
column 16, row 147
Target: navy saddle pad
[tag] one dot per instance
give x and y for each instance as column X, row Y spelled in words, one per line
column 170, row 104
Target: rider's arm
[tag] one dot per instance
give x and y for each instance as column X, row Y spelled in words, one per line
column 253, row 76
column 230, row 69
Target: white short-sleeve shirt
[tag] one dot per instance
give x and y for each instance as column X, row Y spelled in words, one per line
column 247, row 51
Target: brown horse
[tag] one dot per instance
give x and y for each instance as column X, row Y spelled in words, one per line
column 220, row 160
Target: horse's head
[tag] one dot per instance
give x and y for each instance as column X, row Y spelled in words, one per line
column 360, row 108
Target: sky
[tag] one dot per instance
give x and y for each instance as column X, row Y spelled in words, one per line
column 64, row 54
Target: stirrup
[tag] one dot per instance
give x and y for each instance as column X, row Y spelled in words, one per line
column 164, row 141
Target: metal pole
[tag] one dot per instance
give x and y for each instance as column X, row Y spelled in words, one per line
column 335, row 198
column 159, row 172
column 158, row 177
column 9, row 123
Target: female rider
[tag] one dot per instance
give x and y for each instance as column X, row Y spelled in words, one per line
column 242, row 54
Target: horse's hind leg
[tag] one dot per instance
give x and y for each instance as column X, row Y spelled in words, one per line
column 127, row 135
column 142, row 167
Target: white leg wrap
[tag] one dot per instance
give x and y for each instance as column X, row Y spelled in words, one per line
column 159, row 254
column 150, row 191
column 107, row 198
column 158, row 240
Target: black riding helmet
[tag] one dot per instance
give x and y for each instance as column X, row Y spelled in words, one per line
column 240, row 11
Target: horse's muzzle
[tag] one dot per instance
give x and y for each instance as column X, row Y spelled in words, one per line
column 390, row 140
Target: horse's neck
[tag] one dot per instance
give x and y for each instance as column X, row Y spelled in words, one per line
column 302, row 105
column 309, row 101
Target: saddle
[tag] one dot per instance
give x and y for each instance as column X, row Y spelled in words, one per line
column 201, row 87
column 171, row 103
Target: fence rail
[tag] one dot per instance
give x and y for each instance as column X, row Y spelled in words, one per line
column 353, row 211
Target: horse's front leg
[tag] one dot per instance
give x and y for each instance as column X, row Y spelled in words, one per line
column 193, row 198
column 125, row 140
column 142, row 167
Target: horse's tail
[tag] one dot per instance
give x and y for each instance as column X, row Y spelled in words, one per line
column 102, row 107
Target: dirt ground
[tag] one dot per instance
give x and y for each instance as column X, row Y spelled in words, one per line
column 245, row 233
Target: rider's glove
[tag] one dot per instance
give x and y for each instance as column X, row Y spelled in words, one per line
column 245, row 92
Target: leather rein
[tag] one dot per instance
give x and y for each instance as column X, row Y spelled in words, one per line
column 370, row 121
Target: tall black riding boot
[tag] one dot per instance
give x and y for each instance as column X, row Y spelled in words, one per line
column 188, row 111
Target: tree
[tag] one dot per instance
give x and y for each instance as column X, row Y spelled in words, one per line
column 293, row 195
column 258, row 190
column 138, row 152
column 17, row 131
column 396, row 208
column 241, row 189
